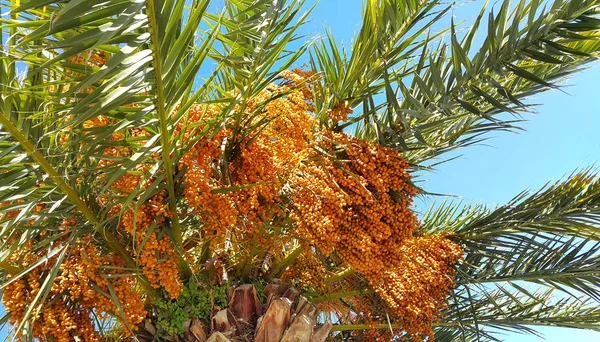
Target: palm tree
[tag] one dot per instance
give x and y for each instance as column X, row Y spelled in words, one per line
column 148, row 190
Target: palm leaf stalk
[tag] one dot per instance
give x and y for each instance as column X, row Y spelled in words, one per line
column 162, row 169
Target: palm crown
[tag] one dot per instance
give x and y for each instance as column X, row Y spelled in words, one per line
column 156, row 153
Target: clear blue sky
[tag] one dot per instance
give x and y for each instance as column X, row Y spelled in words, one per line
column 563, row 136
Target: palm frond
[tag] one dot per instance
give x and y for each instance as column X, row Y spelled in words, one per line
column 483, row 314
column 389, row 38
column 255, row 42
column 548, row 239
column 452, row 94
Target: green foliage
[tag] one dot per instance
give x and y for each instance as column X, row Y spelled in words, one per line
column 219, row 295
column 440, row 94
column 171, row 316
column 193, row 302
column 260, row 285
column 532, row 261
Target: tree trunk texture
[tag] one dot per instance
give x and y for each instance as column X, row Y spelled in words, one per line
column 286, row 316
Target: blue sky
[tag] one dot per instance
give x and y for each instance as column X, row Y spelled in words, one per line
column 560, row 138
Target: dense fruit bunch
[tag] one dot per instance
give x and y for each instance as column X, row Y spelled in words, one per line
column 347, row 196
column 358, row 205
column 235, row 197
column 81, row 289
column 307, row 271
column 141, row 222
column 259, row 181
column 339, row 112
column 156, row 255
column 416, row 282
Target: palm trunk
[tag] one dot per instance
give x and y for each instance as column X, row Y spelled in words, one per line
column 285, row 316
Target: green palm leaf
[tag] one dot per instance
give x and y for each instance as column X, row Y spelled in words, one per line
column 459, row 97
column 424, row 95
column 534, row 261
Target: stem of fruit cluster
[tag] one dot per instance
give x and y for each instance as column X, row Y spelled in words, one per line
column 347, row 327
column 340, row 276
column 338, row 295
column 285, row 263
column 9, row 268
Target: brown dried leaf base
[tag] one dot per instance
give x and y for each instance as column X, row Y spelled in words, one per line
column 288, row 317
